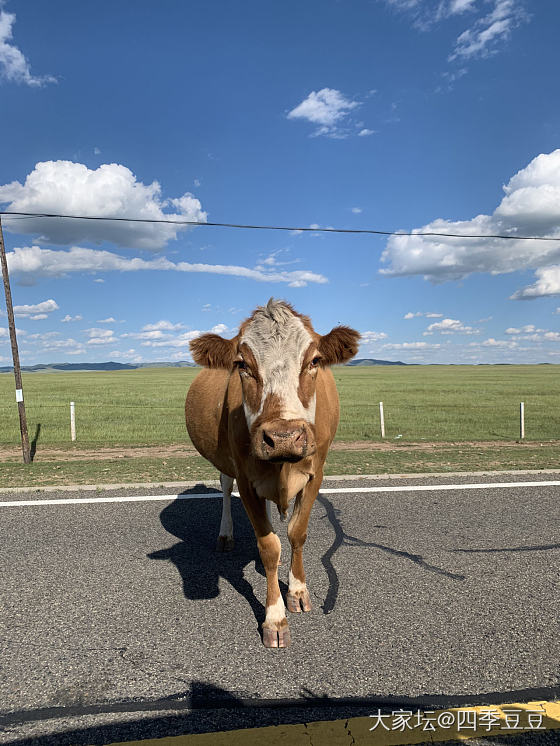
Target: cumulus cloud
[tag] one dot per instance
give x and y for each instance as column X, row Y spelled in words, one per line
column 108, row 320
column 162, row 325
column 369, row 337
column 69, row 318
column 14, row 67
column 100, row 336
column 427, row 314
column 326, row 108
column 450, row 326
column 505, row 343
column 527, row 329
column 30, row 263
column 531, row 206
column 166, row 339
column 36, row 310
column 411, row 346
column 112, row 190
column 548, row 283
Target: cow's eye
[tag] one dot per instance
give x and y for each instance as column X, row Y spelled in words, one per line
column 241, row 365
column 315, row 362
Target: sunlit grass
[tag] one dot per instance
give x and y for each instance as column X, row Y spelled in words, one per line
column 432, row 403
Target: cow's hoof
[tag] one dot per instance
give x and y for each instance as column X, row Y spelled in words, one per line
column 277, row 638
column 296, row 603
column 224, row 544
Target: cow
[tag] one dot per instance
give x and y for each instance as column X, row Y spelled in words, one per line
column 264, row 412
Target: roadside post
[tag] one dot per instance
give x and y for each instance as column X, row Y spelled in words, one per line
column 72, row 421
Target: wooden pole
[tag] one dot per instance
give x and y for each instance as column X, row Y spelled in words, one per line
column 15, row 353
column 382, row 419
column 522, row 420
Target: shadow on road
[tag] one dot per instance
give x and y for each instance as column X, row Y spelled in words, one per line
column 195, row 523
column 207, row 708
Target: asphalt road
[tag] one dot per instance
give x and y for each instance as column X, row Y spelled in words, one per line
column 121, row 622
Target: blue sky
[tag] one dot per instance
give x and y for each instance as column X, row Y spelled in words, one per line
column 404, row 115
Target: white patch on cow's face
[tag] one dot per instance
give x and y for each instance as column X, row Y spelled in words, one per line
column 279, row 340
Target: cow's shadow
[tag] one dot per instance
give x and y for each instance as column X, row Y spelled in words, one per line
column 195, row 522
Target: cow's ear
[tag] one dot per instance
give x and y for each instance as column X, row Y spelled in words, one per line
column 339, row 345
column 213, row 351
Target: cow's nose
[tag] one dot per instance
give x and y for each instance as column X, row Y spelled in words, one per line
column 283, row 443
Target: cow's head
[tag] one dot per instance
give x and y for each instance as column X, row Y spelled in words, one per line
column 277, row 355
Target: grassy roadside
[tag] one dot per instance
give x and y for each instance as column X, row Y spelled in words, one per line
column 444, row 458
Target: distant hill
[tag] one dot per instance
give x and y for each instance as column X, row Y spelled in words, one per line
column 58, row 367
column 111, row 365
column 370, row 361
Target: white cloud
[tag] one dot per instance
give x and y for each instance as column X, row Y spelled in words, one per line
column 450, row 326
column 365, row 132
column 481, row 39
column 506, row 343
column 486, row 33
column 527, row 329
column 356, row 210
column 531, row 206
column 369, row 337
column 37, row 309
column 162, row 325
column 68, row 318
column 112, row 190
column 411, row 346
column 32, row 262
column 427, row 314
column 109, row 320
column 14, row 66
column 105, row 333
column 327, row 108
column 548, row 283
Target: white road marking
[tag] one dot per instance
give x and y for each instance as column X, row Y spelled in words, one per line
column 326, row 490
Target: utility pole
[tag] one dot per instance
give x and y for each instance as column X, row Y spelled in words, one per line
column 15, row 353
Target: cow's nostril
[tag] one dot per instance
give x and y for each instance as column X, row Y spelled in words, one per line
column 268, row 440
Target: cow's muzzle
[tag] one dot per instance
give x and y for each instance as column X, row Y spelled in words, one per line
column 284, row 440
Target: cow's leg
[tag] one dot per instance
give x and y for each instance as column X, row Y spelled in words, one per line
column 276, row 633
column 298, row 595
column 225, row 539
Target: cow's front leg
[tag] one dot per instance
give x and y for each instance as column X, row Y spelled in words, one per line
column 276, row 633
column 275, row 626
column 298, row 595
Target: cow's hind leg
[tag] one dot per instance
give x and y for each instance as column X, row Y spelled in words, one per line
column 298, row 595
column 225, row 539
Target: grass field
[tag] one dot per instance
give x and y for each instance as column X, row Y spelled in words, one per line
column 431, row 403
column 130, row 424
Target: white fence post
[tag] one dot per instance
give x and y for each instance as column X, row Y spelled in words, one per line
column 522, row 420
column 72, row 421
column 382, row 419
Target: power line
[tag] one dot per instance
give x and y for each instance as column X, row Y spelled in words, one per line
column 369, row 231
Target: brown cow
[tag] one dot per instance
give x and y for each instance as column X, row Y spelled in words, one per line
column 265, row 412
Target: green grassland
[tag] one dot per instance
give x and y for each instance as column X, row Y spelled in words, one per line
column 421, row 403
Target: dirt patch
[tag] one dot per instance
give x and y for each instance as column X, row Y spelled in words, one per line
column 11, row 454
